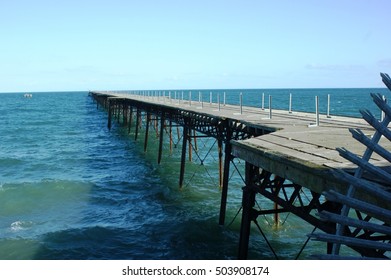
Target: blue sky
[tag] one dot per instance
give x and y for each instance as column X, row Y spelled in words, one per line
column 107, row 45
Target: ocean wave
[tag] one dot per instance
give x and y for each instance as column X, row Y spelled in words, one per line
column 10, row 161
column 20, row 225
column 44, row 198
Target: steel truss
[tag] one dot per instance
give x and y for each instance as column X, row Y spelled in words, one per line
column 288, row 197
column 308, row 205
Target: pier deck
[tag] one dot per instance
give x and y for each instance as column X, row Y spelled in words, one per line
column 287, row 145
column 292, row 147
column 304, row 155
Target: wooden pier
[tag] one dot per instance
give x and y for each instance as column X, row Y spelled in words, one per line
column 285, row 152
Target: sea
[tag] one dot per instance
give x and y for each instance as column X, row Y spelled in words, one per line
column 71, row 189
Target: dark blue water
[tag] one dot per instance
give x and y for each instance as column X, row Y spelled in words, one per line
column 72, row 189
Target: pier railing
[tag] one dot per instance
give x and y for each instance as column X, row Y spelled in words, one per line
column 220, row 99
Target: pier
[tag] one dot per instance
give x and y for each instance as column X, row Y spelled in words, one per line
column 287, row 155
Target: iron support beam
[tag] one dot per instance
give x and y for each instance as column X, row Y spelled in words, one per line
column 109, row 114
column 137, row 124
column 248, row 203
column 130, row 119
column 227, row 164
column 162, row 120
column 183, row 157
column 147, row 131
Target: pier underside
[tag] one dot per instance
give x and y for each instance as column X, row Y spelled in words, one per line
column 306, row 204
column 164, row 118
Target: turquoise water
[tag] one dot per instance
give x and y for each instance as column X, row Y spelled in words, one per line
column 72, row 189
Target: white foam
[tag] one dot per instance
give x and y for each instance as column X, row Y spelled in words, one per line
column 21, row 225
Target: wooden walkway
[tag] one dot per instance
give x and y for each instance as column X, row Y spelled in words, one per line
column 297, row 147
column 305, row 155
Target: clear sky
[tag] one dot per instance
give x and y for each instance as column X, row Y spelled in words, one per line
column 49, row 45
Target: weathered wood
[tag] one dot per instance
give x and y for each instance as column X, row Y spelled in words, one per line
column 308, row 171
column 371, row 119
column 360, row 136
column 347, row 221
column 380, row 192
column 386, row 80
column 351, row 241
column 348, row 201
column 337, row 257
column 381, row 103
column 358, row 183
column 377, row 171
column 374, row 211
column 292, row 148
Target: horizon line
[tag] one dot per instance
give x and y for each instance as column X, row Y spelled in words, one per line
column 184, row 89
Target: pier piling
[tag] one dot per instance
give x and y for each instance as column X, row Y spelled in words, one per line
column 162, row 122
column 183, row 157
column 147, row 121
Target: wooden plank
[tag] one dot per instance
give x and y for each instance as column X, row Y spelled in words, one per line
column 315, row 176
column 324, row 137
column 368, row 167
column 380, row 213
column 337, row 257
column 350, row 241
column 347, row 221
column 288, row 153
column 290, row 148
